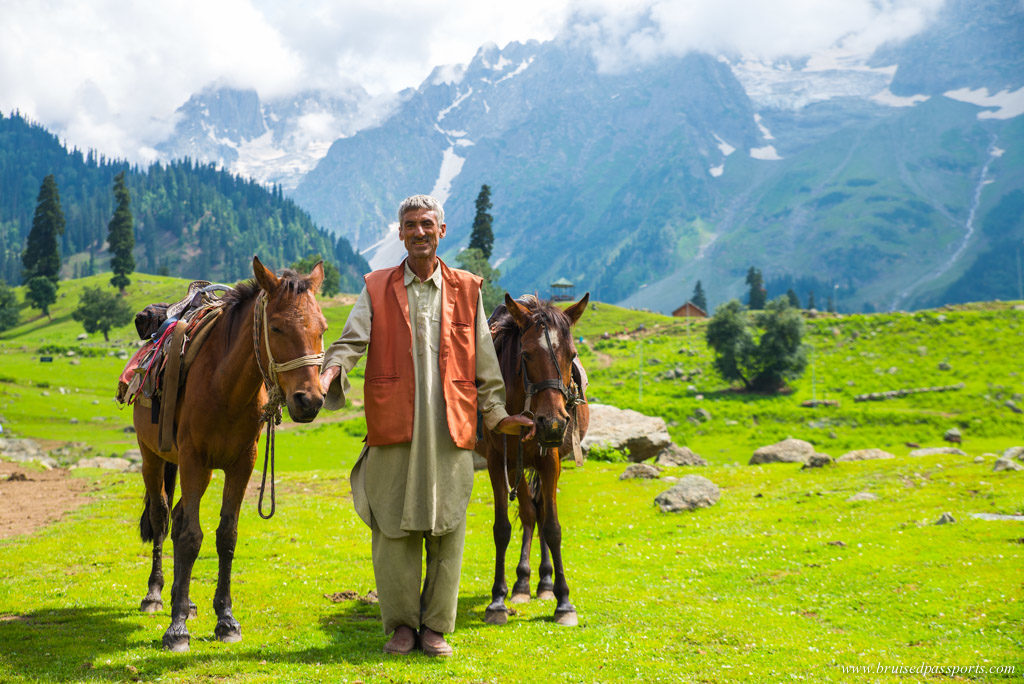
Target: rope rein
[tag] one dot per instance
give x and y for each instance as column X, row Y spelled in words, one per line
column 271, row 411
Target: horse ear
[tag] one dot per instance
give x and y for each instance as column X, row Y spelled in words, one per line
column 316, row 276
column 519, row 312
column 264, row 276
column 575, row 312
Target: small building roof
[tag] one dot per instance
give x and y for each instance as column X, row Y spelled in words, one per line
column 562, row 282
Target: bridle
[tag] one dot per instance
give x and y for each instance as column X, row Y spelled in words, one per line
column 271, row 411
column 572, row 395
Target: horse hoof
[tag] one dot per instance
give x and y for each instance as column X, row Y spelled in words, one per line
column 151, row 606
column 545, row 595
column 176, row 644
column 228, row 632
column 496, row 617
column 567, row 619
column 520, row 598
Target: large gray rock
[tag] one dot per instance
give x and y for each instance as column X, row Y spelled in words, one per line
column 674, row 455
column 863, row 496
column 1016, row 452
column 817, row 460
column 621, row 429
column 25, row 450
column 935, row 451
column 691, row 492
column 105, row 462
column 787, row 451
column 642, row 471
column 864, row 455
column 1004, row 463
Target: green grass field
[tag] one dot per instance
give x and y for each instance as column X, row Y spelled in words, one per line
column 783, row 579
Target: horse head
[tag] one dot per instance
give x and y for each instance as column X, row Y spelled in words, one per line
column 291, row 329
column 545, row 362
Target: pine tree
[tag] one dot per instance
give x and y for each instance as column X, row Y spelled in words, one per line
column 757, row 297
column 698, row 298
column 810, row 300
column 794, row 301
column 482, row 237
column 8, row 307
column 42, row 254
column 121, row 236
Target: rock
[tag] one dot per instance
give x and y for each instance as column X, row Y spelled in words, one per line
column 863, row 496
column 129, row 430
column 979, row 459
column 691, row 492
column 702, row 414
column 25, row 450
column 643, row 471
column 935, row 451
column 1004, row 463
column 1016, row 452
column 945, row 519
column 82, row 336
column 133, row 455
column 1013, row 406
column 997, row 516
column 787, row 451
column 864, row 455
column 674, row 455
column 953, row 436
column 817, row 460
column 644, row 436
column 944, row 366
column 105, row 462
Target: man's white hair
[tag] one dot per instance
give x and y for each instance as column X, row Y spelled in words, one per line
column 421, row 202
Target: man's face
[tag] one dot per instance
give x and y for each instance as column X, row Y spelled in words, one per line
column 420, row 232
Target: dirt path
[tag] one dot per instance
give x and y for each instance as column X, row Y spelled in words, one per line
column 30, row 499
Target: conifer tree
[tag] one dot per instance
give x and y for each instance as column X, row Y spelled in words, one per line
column 757, row 297
column 8, row 307
column 482, row 237
column 794, row 301
column 42, row 256
column 810, row 300
column 699, row 297
column 121, row 236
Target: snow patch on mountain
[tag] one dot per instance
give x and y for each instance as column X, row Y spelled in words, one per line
column 451, row 166
column 388, row 251
column 765, row 133
column 1007, row 104
column 766, row 153
column 717, row 171
column 459, row 99
column 518, row 70
column 725, row 148
column 885, row 97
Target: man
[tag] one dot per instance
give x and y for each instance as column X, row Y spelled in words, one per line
column 430, row 365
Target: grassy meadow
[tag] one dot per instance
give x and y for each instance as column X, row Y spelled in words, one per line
column 784, row 579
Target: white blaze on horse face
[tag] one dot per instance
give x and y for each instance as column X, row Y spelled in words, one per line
column 553, row 348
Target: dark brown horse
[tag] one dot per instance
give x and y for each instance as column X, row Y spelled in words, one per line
column 535, row 348
column 218, row 423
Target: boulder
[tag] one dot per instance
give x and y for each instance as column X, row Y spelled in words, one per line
column 787, row 451
column 643, row 471
column 691, row 492
column 674, row 455
column 864, row 455
column 644, row 436
column 935, row 451
column 702, row 415
column 1004, row 463
column 817, row 460
column 105, row 462
column 945, row 519
column 953, row 436
column 863, row 496
column 1016, row 452
column 25, row 450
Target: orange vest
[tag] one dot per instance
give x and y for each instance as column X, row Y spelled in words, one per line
column 390, row 385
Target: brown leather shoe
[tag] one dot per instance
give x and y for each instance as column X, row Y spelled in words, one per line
column 402, row 641
column 433, row 644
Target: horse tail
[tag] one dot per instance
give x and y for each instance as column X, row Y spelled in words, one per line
column 146, row 530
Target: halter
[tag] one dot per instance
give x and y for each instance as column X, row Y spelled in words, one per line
column 271, row 411
column 571, row 394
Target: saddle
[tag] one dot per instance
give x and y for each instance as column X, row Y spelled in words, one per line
column 173, row 335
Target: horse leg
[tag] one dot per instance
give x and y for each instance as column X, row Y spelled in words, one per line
column 159, row 476
column 550, row 467
column 545, row 583
column 187, row 536
column 528, row 518
column 235, row 480
column 497, row 613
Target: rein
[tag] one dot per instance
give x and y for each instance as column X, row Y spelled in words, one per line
column 271, row 411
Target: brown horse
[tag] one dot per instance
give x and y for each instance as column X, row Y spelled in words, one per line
column 218, row 420
column 535, row 348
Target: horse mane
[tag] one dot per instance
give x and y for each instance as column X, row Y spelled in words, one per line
column 508, row 337
column 293, row 282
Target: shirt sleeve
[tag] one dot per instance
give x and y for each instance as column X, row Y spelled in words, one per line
column 490, row 386
column 347, row 350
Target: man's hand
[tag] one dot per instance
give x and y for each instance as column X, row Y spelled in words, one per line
column 512, row 425
column 328, row 376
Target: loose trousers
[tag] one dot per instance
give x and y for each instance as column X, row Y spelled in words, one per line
column 407, row 597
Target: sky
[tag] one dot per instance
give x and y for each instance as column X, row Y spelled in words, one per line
column 109, row 74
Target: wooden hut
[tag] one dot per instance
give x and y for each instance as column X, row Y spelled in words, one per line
column 690, row 310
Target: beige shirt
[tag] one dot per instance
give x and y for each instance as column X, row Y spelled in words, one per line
column 423, row 485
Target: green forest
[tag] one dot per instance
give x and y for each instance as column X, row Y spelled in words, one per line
column 191, row 220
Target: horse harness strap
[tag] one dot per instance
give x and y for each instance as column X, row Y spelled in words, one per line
column 271, row 411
